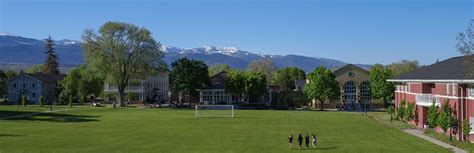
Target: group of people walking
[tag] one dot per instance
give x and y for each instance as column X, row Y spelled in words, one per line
column 300, row 140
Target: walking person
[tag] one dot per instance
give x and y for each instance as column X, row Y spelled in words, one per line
column 290, row 140
column 314, row 140
column 306, row 139
column 300, row 140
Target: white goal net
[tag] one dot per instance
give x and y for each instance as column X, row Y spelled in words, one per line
column 214, row 111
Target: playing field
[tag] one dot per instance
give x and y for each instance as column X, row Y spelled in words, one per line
column 103, row 130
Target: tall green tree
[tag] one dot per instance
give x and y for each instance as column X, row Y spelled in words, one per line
column 376, row 66
column 264, row 66
column 251, row 86
column 403, row 66
column 188, row 75
column 287, row 76
column 35, row 68
column 433, row 115
column 122, row 52
column 466, row 128
column 322, row 85
column 380, row 87
column 213, row 70
column 70, row 85
column 51, row 64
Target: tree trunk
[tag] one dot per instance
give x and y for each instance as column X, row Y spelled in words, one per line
column 321, row 107
column 120, row 97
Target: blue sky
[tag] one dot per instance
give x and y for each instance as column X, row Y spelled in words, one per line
column 366, row 31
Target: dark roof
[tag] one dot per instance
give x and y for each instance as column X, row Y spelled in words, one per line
column 348, row 66
column 45, row 78
column 456, row 68
column 217, row 81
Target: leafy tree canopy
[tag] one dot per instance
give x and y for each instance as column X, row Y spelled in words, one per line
column 322, row 85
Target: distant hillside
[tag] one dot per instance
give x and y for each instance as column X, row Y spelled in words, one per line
column 19, row 52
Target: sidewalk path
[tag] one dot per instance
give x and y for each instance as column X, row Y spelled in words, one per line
column 419, row 133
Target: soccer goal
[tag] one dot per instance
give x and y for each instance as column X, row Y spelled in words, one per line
column 214, row 111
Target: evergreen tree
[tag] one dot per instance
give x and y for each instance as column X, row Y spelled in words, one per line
column 24, row 101
column 51, row 65
column 432, row 115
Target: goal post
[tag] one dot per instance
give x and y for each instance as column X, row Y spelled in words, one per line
column 214, row 111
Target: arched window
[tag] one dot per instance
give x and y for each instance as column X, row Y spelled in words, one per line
column 365, row 95
column 350, row 91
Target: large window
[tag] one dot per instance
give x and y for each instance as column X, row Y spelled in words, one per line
column 206, row 96
column 471, row 91
column 350, row 91
column 365, row 95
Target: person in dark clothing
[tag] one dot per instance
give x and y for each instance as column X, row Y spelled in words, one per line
column 306, row 140
column 300, row 140
column 290, row 140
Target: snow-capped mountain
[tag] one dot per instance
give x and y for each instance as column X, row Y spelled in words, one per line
column 21, row 50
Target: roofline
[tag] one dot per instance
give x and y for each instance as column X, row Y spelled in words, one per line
column 433, row 80
column 24, row 74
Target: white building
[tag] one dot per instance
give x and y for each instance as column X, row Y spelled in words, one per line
column 153, row 89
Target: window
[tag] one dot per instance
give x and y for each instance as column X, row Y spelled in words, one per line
column 33, row 94
column 24, row 85
column 447, row 89
column 14, row 85
column 365, row 91
column 471, row 122
column 471, row 91
column 33, row 85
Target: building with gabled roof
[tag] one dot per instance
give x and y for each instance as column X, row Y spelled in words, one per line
column 447, row 82
column 33, row 86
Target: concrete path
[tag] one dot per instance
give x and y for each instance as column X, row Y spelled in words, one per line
column 419, row 133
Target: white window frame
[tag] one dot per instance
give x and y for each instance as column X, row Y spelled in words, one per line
column 471, row 122
column 447, row 89
column 471, row 90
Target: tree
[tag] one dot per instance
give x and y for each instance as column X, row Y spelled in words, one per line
column 122, row 52
column 188, row 75
column 70, row 84
column 409, row 114
column 24, row 101
column 51, row 65
column 433, row 115
column 390, row 111
column 82, row 100
column 256, row 85
column 4, row 84
column 213, row 70
column 403, row 66
column 465, row 40
column 251, row 86
column 82, row 81
column 466, row 128
column 287, row 76
column 380, row 87
column 35, row 68
column 42, row 101
column 443, row 119
column 264, row 66
column 376, row 66
column 70, row 101
column 236, row 84
column 322, row 85
column 401, row 109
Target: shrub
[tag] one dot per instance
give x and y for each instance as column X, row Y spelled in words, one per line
column 24, row 101
column 466, row 128
column 432, row 116
column 409, row 114
column 390, row 111
column 401, row 110
column 41, row 101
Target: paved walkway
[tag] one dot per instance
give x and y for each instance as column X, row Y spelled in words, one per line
column 419, row 133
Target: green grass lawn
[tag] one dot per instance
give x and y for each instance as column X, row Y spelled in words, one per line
column 88, row 129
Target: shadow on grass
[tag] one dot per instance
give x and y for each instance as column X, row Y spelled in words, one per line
column 11, row 135
column 47, row 117
column 317, row 148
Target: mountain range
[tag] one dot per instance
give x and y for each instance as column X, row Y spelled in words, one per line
column 22, row 52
